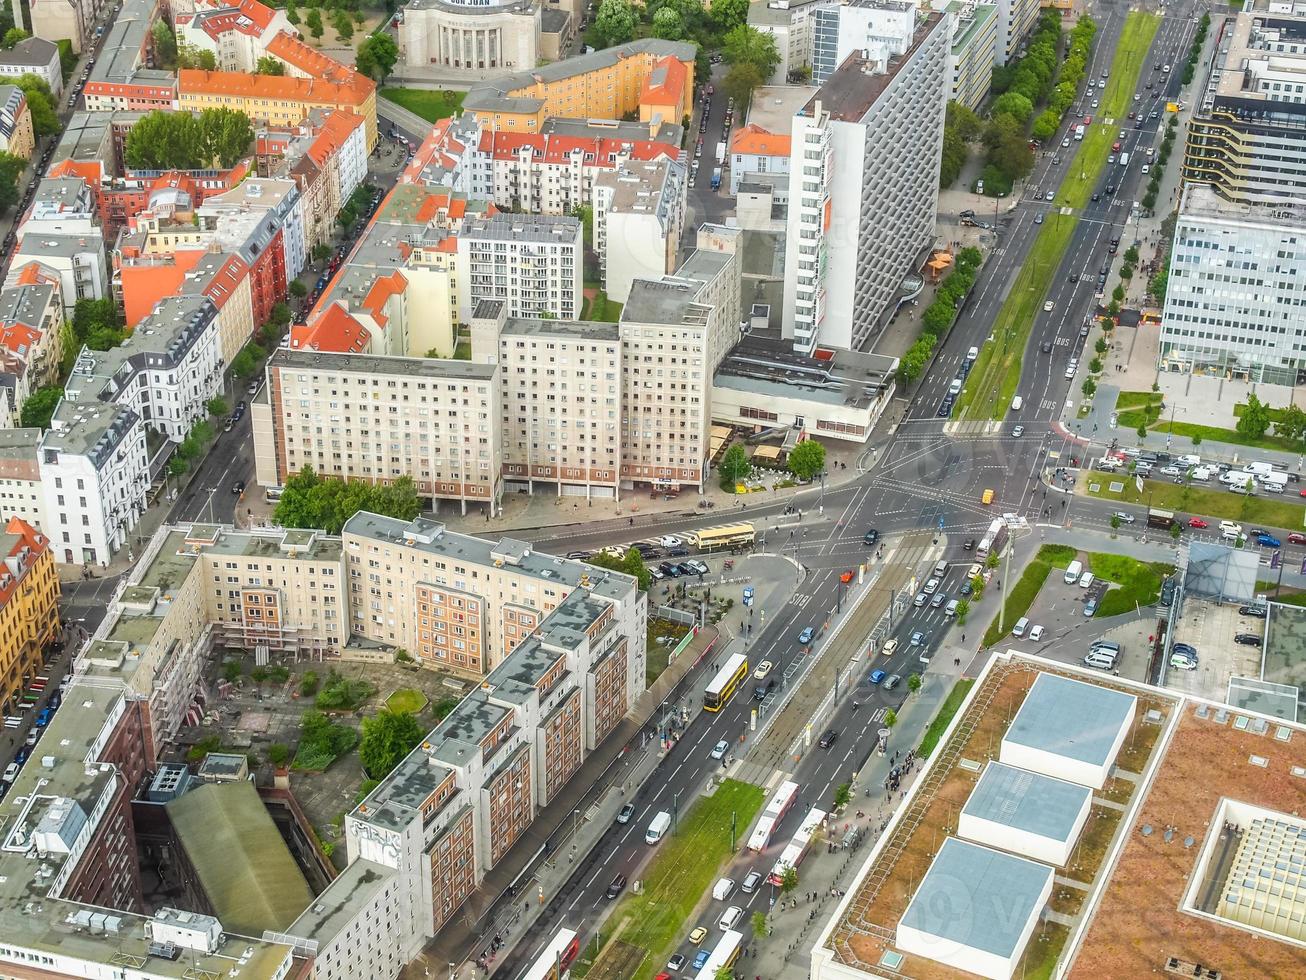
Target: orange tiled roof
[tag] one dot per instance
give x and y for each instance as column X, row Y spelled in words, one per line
column 310, row 61
column 756, row 141
column 336, row 130
column 259, row 13
column 555, row 148
column 88, row 170
column 279, row 88
column 28, row 537
column 335, row 331
column 382, row 289
column 670, row 88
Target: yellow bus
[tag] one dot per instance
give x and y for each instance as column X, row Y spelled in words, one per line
column 725, row 536
column 726, row 682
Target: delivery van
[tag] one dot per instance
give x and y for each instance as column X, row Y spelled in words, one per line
column 1017, row 403
column 658, row 828
column 1072, row 572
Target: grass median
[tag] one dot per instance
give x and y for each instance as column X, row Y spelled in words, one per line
column 947, row 711
column 431, row 104
column 645, row 929
column 1220, row 504
column 1135, row 583
column 1021, row 595
column 995, row 378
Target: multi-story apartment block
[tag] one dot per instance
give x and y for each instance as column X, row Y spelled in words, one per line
column 95, row 476
column 59, row 19
column 560, row 385
column 375, row 418
column 21, row 494
column 863, row 186
column 465, row 603
column 237, row 32
column 753, row 151
column 16, row 134
column 1016, row 18
column 31, row 337
column 1247, row 135
column 34, row 56
column 639, row 213
column 123, row 76
column 974, row 50
column 792, row 24
column 534, row 263
column 649, row 77
column 165, row 372
column 61, row 233
column 839, row 29
column 1236, row 292
column 29, row 607
column 263, row 223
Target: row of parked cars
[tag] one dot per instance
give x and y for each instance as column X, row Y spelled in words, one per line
column 29, row 745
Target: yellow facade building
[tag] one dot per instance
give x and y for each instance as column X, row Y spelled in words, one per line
column 29, row 608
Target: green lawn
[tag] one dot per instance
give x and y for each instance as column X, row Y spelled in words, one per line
column 1021, row 596
column 601, row 309
column 1137, row 582
column 686, row 865
column 1232, row 436
column 1220, row 504
column 431, row 104
column 1137, row 399
column 995, row 377
column 408, row 700
column 945, row 715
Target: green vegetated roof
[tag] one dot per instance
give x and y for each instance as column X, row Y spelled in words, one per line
column 244, row 866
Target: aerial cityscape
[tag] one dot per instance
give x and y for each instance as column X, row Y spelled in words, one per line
column 664, row 490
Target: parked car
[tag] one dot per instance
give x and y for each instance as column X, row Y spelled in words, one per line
column 828, row 738
column 626, row 812
column 807, row 635
column 1247, row 639
column 720, row 749
column 1090, row 608
column 1199, row 523
column 1256, row 612
column 1296, row 537
column 677, row 962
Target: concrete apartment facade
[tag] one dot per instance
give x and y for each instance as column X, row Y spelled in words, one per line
column 862, row 194
column 534, row 263
column 974, row 50
column 1016, row 18
column 375, row 418
column 1235, row 296
column 1247, row 135
column 639, row 216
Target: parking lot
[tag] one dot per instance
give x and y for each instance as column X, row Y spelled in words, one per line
column 1210, row 628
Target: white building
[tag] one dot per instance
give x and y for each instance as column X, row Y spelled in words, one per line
column 839, row 29
column 95, row 476
column 863, row 187
column 534, row 263
column 34, row 56
column 639, row 213
column 246, row 218
column 21, row 493
column 77, row 260
column 974, row 50
column 1016, row 18
column 464, row 34
column 237, row 34
column 792, row 24
column 1235, row 302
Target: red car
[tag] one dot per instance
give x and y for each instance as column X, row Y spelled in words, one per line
column 1197, row 522
column 1296, row 537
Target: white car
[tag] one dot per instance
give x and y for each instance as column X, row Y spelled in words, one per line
column 1124, row 518
column 1095, row 103
column 1049, row 306
column 1146, row 169
column 1036, row 633
column 668, row 541
column 719, row 750
column 11, row 773
column 1065, row 142
column 763, row 669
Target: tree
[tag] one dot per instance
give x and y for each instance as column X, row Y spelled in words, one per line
column 165, row 45
column 740, row 83
column 1197, row 439
column 12, row 37
column 344, row 25
column 842, row 794
column 614, row 23
column 1115, row 522
column 724, row 973
column 1141, row 431
column 231, row 670
column 217, row 406
column 245, row 364
column 890, row 718
column 729, row 14
column 914, row 681
column 630, row 563
column 667, row 24
column 1089, row 387
column 1015, row 105
column 292, row 13
column 297, row 289
column 176, row 140
column 807, row 459
column 734, row 467
column 1291, row 423
column 745, row 45
column 11, row 169
column 377, row 55
column 1255, row 419
column 267, row 65
column 39, row 407
column 388, row 736
column 963, row 610
column 788, row 879
column 993, row 560
column 1176, row 530
column 760, row 926
column 96, row 325
column 278, row 754
column 317, row 502
column 314, row 22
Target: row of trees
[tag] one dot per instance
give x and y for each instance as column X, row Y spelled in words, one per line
column 938, row 316
column 753, row 58
column 1257, row 417
column 1071, row 74
column 1190, row 67
column 806, row 461
column 1162, row 158
column 312, row 501
column 184, row 141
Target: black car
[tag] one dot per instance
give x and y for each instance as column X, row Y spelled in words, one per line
column 871, row 537
column 1256, row 612
column 645, row 549
column 678, row 552
column 667, row 568
column 828, row 739
column 238, row 487
column 1247, row 639
column 578, row 555
column 684, row 568
column 763, row 689
column 618, row 885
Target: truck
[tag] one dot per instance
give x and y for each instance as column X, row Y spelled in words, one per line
column 1124, row 159
column 716, row 178
column 1273, row 482
column 721, row 153
column 1079, row 132
column 1158, row 518
column 1259, row 468
column 994, row 540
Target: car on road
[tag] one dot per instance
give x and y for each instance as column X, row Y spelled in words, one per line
column 876, row 677
column 890, row 645
column 1050, row 195
column 1147, row 168
column 1038, row 219
column 701, row 958
column 697, row 935
column 892, row 681
column 1256, row 612
column 1090, row 607
column 1094, row 103
column 917, row 638
column 807, row 635
column 1171, row 471
column 1268, row 540
column 729, row 917
column 763, row 690
column 720, row 749
column 1124, row 517
column 228, row 425
column 1197, row 522
column 968, row 544
column 828, row 738
column 966, row 588
column 677, row 962
column 626, row 812
column 1296, row 537
column 1049, row 306
column 920, row 600
column 1247, row 639
column 750, row 882
column 238, row 487
column 763, row 669
column 871, row 537
column 939, row 599
column 1018, row 431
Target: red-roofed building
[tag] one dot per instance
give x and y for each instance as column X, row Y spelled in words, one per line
column 335, row 331
column 31, row 336
column 29, row 607
column 236, row 33
column 754, row 150
column 667, row 92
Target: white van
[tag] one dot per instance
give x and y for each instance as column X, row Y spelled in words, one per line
column 1022, row 624
column 729, row 917
column 951, row 609
column 1072, row 572
column 1101, row 660
column 1201, row 473
column 723, row 889
column 972, row 353
column 658, row 828
column 1017, row 403
column 1086, row 580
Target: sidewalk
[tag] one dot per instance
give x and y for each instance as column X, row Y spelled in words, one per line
column 539, row 864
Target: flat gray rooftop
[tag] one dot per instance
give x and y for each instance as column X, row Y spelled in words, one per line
column 417, row 367
column 977, row 897
column 538, row 327
column 348, row 894
column 1071, row 718
column 773, row 107
column 1027, row 801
